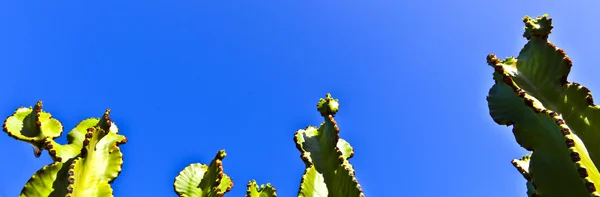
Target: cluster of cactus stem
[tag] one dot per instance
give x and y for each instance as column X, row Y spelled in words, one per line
column 85, row 166
column 328, row 171
column 92, row 159
column 554, row 119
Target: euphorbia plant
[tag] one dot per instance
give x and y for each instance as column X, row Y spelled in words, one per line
column 85, row 166
column 554, row 119
column 328, row 171
column 92, row 159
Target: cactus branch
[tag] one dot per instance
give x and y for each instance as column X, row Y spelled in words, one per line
column 328, row 171
column 199, row 180
column 34, row 126
column 84, row 167
column 260, row 191
column 553, row 118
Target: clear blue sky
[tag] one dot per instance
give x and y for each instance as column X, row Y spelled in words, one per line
column 187, row 78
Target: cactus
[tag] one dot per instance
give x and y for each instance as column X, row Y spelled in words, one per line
column 84, row 167
column 328, row 171
column 554, row 119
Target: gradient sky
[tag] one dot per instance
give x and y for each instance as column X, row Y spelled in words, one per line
column 187, row 78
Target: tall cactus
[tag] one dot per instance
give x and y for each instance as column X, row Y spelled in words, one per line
column 554, row 119
column 84, row 167
column 328, row 171
column 325, row 154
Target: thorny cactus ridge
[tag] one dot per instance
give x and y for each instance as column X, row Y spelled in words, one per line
column 554, row 119
column 328, row 171
column 85, row 166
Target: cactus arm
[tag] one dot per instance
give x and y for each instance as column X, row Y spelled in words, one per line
column 542, row 69
column 33, row 126
column 89, row 174
column 199, row 180
column 260, row 191
column 538, row 79
column 560, row 164
column 328, row 172
column 100, row 163
column 76, row 136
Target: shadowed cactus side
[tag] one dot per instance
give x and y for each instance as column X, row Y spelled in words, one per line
column 554, row 119
column 328, row 171
column 84, row 167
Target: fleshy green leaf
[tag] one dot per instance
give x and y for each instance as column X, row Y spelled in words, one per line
column 33, row 126
column 326, row 157
column 199, row 180
column 263, row 191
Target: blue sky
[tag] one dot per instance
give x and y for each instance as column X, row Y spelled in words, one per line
column 187, row 78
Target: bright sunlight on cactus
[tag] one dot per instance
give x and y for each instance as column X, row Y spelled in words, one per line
column 554, row 119
column 328, row 171
column 84, row 167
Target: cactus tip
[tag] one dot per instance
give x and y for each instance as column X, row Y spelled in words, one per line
column 540, row 27
column 38, row 106
column 328, row 105
column 221, row 154
column 492, row 60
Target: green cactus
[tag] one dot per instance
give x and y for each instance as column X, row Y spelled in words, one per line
column 554, row 119
column 260, row 191
column 84, row 167
column 199, row 180
column 328, row 171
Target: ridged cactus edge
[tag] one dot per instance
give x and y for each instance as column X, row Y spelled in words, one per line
column 85, row 166
column 326, row 156
column 554, row 119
